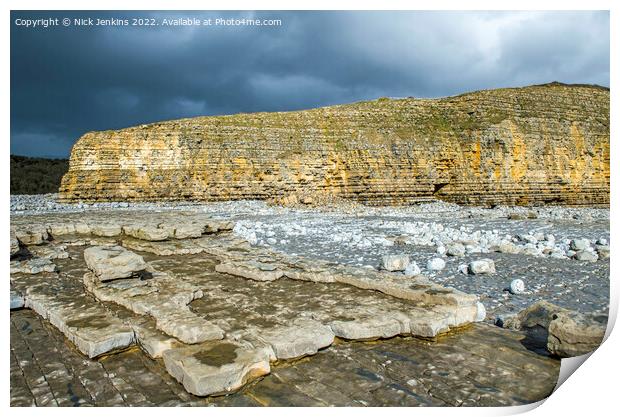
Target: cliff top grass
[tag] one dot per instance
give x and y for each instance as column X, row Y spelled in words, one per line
column 467, row 111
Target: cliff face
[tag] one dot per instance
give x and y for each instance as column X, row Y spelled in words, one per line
column 532, row 145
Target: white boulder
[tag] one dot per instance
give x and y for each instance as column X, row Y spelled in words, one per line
column 395, row 262
column 412, row 270
column 435, row 264
column 517, row 286
column 482, row 266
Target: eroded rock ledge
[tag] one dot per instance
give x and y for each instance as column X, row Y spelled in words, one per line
column 220, row 310
column 545, row 144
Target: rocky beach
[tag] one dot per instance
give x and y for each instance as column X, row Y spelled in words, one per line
column 287, row 305
column 392, row 252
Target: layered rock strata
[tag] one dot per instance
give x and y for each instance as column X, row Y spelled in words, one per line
column 546, row 144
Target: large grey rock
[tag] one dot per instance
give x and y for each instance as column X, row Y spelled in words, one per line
column 579, row 244
column 150, row 339
column 508, row 247
column 482, row 266
column 455, row 249
column 400, row 286
column 395, row 262
column 165, row 299
column 163, row 248
column 565, row 333
column 187, row 327
column 49, row 251
column 586, row 256
column 82, row 228
column 574, row 334
column 113, row 262
column 309, row 273
column 60, row 228
column 429, row 323
column 216, row 367
column 304, row 337
column 94, row 335
column 216, row 226
column 188, row 230
column 538, row 314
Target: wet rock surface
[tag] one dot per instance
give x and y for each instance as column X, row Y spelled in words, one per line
column 46, row 370
column 282, row 288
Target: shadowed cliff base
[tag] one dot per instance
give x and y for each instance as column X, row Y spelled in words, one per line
column 546, row 144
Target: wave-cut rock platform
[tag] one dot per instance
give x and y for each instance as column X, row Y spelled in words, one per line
column 168, row 307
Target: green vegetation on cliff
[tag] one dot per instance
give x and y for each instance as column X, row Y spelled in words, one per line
column 36, row 175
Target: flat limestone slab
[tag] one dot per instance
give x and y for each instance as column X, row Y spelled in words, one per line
column 251, row 270
column 49, row 251
column 370, row 328
column 304, row 337
column 147, row 232
column 113, row 262
column 83, row 320
column 216, row 367
column 163, row 297
column 396, row 372
column 149, row 226
column 165, row 248
column 151, row 340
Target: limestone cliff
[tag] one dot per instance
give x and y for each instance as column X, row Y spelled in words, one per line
column 533, row 145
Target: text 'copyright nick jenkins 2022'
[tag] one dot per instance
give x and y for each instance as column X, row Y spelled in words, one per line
column 141, row 22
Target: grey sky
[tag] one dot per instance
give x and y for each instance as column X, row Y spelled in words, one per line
column 66, row 81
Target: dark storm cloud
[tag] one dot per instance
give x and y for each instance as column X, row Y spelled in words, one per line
column 67, row 81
